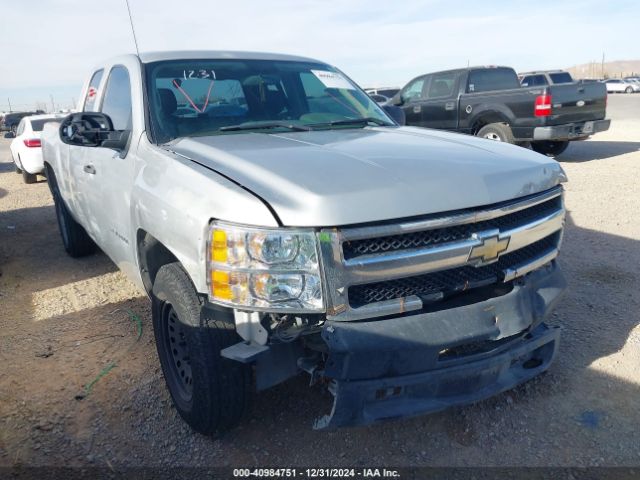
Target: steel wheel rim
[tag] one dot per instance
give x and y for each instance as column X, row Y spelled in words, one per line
column 179, row 362
column 493, row 136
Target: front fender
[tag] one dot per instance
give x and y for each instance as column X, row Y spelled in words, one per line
column 174, row 200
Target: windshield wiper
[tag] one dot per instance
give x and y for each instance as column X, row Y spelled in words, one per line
column 354, row 121
column 265, row 125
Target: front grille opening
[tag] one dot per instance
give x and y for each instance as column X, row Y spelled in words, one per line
column 430, row 238
column 436, row 286
column 474, row 348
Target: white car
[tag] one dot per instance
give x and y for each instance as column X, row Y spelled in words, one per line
column 25, row 147
column 616, row 85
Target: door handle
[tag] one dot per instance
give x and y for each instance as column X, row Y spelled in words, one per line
column 449, row 106
column 417, row 109
column 90, row 169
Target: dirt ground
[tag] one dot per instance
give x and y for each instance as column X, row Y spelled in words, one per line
column 63, row 322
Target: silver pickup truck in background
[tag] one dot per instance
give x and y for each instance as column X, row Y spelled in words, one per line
column 282, row 222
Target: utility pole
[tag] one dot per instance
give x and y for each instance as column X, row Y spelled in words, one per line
column 53, row 107
column 602, row 66
column 9, row 100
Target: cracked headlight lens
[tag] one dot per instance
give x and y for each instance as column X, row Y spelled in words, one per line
column 264, row 269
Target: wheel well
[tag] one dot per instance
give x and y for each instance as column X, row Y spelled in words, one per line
column 152, row 255
column 486, row 119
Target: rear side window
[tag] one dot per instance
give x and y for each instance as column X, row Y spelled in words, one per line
column 562, row 77
column 117, row 98
column 92, row 92
column 492, row 79
column 442, row 85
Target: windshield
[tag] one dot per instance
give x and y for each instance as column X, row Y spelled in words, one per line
column 38, row 125
column 217, row 97
column 561, row 77
column 489, row 79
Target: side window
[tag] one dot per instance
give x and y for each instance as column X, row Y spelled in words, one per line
column 442, row 85
column 117, row 98
column 413, row 91
column 92, row 92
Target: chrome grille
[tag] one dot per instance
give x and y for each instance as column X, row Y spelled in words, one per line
column 389, row 268
column 438, row 285
column 427, row 238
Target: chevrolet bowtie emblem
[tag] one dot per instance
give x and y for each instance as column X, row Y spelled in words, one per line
column 492, row 246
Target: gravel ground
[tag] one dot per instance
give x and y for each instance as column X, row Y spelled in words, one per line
column 64, row 321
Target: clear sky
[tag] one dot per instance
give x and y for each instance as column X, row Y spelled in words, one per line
column 49, row 46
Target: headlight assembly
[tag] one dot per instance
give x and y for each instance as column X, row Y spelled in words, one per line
column 264, row 269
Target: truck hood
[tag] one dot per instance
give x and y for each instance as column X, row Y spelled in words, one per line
column 349, row 176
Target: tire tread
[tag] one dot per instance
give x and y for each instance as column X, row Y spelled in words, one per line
column 222, row 388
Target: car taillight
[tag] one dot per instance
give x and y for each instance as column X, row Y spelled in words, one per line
column 32, row 142
column 542, row 106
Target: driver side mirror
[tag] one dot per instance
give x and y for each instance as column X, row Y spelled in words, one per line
column 397, row 100
column 92, row 129
column 9, row 135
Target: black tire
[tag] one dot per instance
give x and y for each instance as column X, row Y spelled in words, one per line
column 550, row 148
column 76, row 240
column 628, row 90
column 29, row 177
column 211, row 393
column 500, row 132
column 18, row 170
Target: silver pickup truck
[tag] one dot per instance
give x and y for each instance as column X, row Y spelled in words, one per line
column 282, row 222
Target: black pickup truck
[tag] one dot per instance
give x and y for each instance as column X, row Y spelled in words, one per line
column 489, row 102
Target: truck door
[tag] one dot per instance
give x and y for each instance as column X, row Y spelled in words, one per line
column 110, row 174
column 440, row 107
column 74, row 182
column 411, row 98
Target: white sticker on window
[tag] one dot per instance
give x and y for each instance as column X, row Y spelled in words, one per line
column 332, row 79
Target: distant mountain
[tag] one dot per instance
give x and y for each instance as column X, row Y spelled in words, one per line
column 614, row 69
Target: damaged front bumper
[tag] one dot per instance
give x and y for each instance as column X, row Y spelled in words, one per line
column 427, row 362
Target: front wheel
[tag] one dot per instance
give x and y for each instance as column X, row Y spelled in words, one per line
column 211, row 393
column 500, row 132
column 550, row 148
column 628, row 90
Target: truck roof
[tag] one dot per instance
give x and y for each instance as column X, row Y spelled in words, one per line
column 147, row 57
column 540, row 72
column 469, row 69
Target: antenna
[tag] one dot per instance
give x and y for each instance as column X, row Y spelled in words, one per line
column 133, row 30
